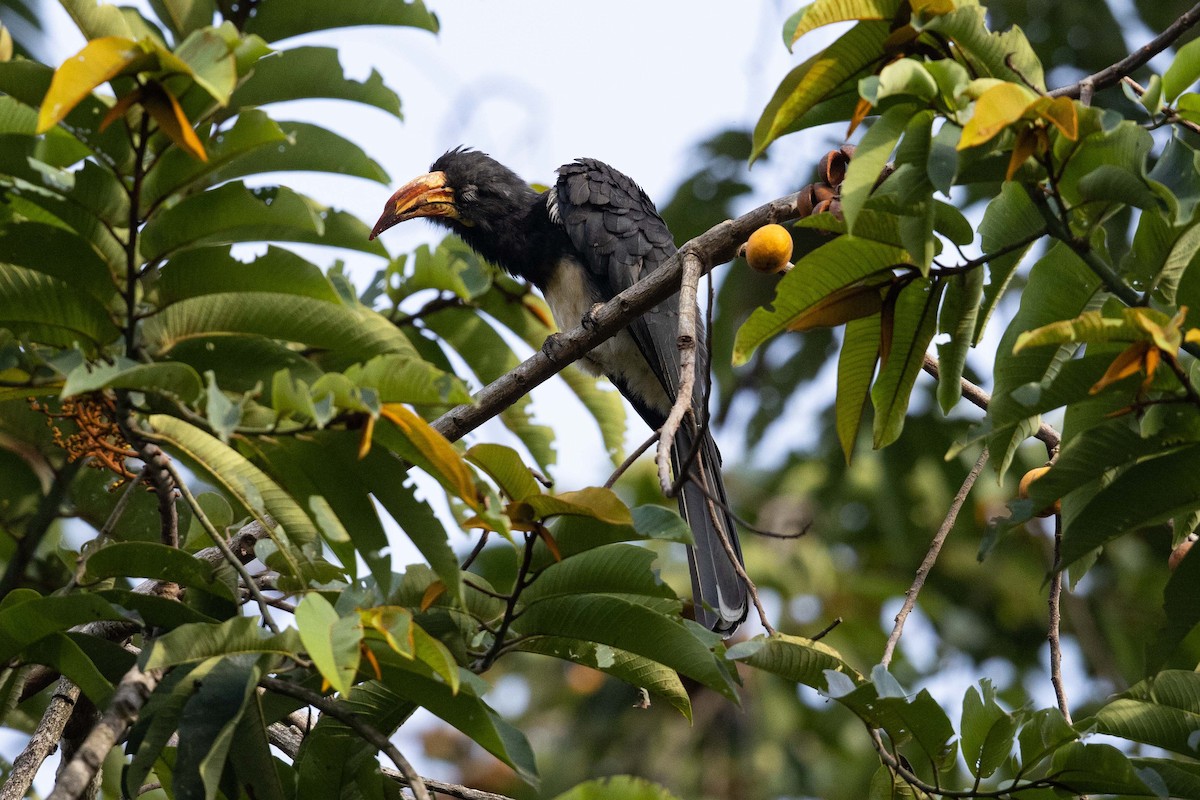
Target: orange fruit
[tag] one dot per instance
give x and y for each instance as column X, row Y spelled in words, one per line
column 769, row 249
column 1023, row 491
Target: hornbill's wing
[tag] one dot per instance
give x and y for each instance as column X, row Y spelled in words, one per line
column 620, row 238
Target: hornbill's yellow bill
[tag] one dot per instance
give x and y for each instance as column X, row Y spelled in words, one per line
column 426, row 196
column 583, row 241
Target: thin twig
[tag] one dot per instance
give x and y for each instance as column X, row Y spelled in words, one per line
column 510, row 608
column 935, row 547
column 1053, row 635
column 475, row 551
column 25, row 766
column 288, row 738
column 736, row 562
column 219, row 541
column 372, row 736
column 1111, row 75
column 821, row 634
column 979, row 397
column 628, row 462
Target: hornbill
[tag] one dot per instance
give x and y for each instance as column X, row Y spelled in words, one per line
column 581, row 242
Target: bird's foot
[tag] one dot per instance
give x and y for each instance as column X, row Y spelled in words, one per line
column 553, row 346
column 589, row 321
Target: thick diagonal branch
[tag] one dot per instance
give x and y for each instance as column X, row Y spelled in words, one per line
column 715, row 246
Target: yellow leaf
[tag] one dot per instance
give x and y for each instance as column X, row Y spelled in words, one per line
column 99, row 61
column 996, row 109
column 1192, row 336
column 838, row 308
column 432, row 593
column 119, row 108
column 932, row 8
column 171, row 120
column 441, row 454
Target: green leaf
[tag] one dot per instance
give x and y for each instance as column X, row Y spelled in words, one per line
column 833, row 266
column 213, row 270
column 617, row 787
column 240, row 479
column 1097, row 769
column 856, row 368
column 489, row 356
column 154, row 561
column 207, row 724
column 1008, row 220
column 818, row 79
column 25, row 621
column 795, row 659
column 354, row 334
column 1183, row 72
column 1043, row 733
column 184, row 16
column 332, row 642
column 274, row 80
column 1163, row 711
column 200, row 641
column 904, row 77
column 610, row 569
column 306, row 148
column 213, row 65
column 1165, row 487
column 504, row 466
column 987, row 731
column 281, row 19
column 464, row 711
column 621, row 623
column 235, row 213
column 870, row 158
column 1060, row 287
column 633, row 669
column 58, row 253
column 401, row 379
column 176, row 381
column 1181, row 611
column 827, row 12
column 1176, row 175
column 1007, row 56
column 1182, row 778
column 61, row 652
column 913, row 328
column 378, row 474
column 960, row 310
column 50, row 311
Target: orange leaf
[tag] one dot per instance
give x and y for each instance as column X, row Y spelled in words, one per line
column 442, row 457
column 1025, row 146
column 364, row 446
column 432, row 593
column 1060, row 112
column 366, row 651
column 120, row 107
column 860, row 113
column 548, row 539
column 1131, row 361
column 838, row 308
column 171, row 120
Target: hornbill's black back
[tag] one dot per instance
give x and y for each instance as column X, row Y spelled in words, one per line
column 592, row 235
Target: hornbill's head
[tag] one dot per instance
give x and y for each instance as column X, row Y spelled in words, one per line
column 466, row 191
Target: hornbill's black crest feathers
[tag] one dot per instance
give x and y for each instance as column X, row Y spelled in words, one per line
column 583, row 241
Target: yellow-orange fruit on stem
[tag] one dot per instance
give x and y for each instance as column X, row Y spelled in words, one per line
column 1023, row 491
column 769, row 249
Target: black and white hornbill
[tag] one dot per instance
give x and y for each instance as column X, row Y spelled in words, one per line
column 590, row 236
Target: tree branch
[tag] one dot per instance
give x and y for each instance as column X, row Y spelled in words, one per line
column 688, row 288
column 935, row 547
column 1111, row 75
column 131, row 694
column 716, row 246
column 25, row 766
